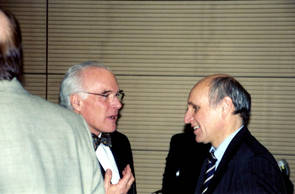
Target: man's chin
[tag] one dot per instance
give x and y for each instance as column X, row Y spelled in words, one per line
column 198, row 139
column 109, row 130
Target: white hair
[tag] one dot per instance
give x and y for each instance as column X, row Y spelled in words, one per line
column 72, row 82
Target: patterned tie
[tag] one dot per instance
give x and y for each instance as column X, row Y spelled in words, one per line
column 210, row 171
column 104, row 139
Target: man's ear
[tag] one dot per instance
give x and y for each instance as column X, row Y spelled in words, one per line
column 227, row 106
column 76, row 102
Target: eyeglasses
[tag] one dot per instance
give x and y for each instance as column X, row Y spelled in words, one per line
column 108, row 95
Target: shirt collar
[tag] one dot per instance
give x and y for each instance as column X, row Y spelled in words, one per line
column 219, row 152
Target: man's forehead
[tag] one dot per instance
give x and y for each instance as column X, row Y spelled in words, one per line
column 198, row 93
column 99, row 79
column 199, row 89
column 97, row 72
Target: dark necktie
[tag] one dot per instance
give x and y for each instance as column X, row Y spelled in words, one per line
column 104, row 139
column 210, row 172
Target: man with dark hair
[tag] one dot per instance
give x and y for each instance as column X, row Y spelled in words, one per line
column 219, row 111
column 44, row 147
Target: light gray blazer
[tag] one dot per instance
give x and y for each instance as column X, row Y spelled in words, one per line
column 44, row 148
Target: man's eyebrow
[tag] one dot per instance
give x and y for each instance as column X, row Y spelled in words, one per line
column 193, row 105
column 109, row 91
column 106, row 91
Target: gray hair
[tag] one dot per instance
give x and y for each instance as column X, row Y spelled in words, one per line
column 72, row 82
column 222, row 86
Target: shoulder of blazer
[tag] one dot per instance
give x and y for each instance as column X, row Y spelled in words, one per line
column 121, row 146
column 119, row 139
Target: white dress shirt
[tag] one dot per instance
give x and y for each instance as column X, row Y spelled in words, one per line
column 107, row 161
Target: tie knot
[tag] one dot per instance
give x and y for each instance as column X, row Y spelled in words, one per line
column 105, row 139
column 212, row 158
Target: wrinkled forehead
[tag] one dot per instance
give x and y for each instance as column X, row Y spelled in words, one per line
column 5, row 27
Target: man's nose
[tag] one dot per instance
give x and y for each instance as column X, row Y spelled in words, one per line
column 116, row 103
column 187, row 117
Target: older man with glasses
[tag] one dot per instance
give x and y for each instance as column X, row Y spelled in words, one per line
column 91, row 90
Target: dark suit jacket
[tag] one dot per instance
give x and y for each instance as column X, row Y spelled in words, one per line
column 122, row 152
column 185, row 157
column 246, row 167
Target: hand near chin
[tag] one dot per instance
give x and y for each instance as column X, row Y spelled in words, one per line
column 122, row 186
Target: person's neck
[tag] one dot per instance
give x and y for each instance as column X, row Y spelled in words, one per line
column 95, row 132
column 227, row 130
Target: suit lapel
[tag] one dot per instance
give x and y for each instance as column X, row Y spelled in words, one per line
column 227, row 157
column 116, row 152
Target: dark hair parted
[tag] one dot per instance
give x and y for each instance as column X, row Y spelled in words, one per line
column 11, row 56
column 222, row 86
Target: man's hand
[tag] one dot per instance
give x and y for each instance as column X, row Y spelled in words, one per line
column 122, row 186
